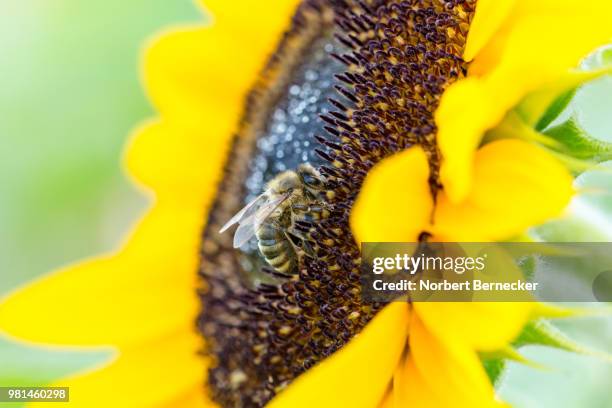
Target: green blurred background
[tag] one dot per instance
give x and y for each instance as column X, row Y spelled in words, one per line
column 69, row 96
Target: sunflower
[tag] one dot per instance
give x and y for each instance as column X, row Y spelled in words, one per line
column 424, row 117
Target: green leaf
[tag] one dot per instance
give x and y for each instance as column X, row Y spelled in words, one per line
column 597, row 65
column 495, row 369
column 542, row 333
column 577, row 143
column 540, row 108
column 495, row 362
column 555, row 109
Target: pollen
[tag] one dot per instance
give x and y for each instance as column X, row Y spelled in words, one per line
column 351, row 83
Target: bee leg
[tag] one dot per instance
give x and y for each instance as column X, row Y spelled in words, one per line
column 292, row 241
column 300, row 244
column 308, row 249
column 311, row 212
column 300, row 208
column 303, row 211
column 303, row 208
column 322, row 211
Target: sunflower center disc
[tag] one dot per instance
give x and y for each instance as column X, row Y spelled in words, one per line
column 385, row 64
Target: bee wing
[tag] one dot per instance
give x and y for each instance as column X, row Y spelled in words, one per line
column 244, row 233
column 248, row 226
column 247, row 211
column 267, row 210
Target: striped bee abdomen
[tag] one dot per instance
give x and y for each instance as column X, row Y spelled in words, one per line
column 275, row 247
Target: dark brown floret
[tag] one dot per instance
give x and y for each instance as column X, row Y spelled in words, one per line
column 263, row 328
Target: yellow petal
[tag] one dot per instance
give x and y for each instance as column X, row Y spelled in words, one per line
column 180, row 162
column 387, row 401
column 159, row 371
column 194, row 73
column 489, row 17
column 480, row 326
column 145, row 291
column 395, row 202
column 516, row 185
column 452, row 372
column 539, row 51
column 184, row 74
column 549, row 27
column 460, row 132
column 247, row 15
column 359, row 373
column 411, row 390
column 539, row 42
column 192, row 398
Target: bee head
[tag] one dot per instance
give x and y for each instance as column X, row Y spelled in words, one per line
column 285, row 182
column 310, row 178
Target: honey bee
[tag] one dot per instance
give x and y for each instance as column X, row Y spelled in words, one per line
column 289, row 197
